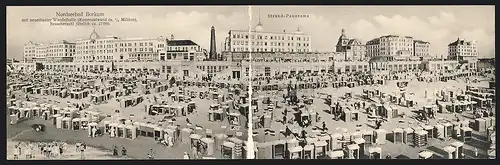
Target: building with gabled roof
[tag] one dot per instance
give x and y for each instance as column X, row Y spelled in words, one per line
column 353, row 48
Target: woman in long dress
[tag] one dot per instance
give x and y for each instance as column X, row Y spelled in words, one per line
column 170, row 141
column 94, row 130
column 112, row 134
column 195, row 153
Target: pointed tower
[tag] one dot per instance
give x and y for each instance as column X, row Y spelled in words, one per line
column 213, row 51
column 259, row 25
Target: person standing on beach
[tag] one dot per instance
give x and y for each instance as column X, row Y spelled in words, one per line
column 16, row 152
column 78, row 144
column 194, row 153
column 61, row 150
column 41, row 148
column 115, row 151
column 82, row 149
column 124, row 151
column 47, row 150
column 94, row 130
column 152, row 154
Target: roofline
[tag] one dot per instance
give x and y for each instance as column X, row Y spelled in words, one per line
column 253, row 31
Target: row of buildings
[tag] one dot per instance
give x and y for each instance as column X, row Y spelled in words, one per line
column 259, row 41
column 272, row 53
column 111, row 48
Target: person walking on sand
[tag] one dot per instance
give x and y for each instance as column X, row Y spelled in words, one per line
column 115, row 151
column 124, row 151
column 82, row 150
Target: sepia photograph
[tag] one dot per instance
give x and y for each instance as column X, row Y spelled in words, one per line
column 250, row 82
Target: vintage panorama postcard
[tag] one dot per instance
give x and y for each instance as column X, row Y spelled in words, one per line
column 250, row 82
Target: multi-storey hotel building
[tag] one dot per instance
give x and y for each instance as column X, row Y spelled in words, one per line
column 462, row 50
column 62, row 51
column 390, row 45
column 185, row 50
column 111, row 48
column 30, row 51
column 258, row 40
column 421, row 48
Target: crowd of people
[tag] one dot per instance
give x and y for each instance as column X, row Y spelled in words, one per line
column 47, row 150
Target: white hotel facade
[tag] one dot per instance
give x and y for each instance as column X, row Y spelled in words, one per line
column 258, row 40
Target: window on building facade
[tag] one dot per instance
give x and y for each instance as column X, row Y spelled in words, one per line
column 169, row 69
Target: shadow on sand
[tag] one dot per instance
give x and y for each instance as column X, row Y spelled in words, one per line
column 439, row 152
column 479, row 137
column 478, row 143
column 402, row 157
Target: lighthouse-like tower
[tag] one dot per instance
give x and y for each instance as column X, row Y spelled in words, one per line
column 213, row 50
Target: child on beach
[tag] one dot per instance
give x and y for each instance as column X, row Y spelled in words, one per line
column 186, row 155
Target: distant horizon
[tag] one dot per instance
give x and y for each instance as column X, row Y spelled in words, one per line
column 439, row 25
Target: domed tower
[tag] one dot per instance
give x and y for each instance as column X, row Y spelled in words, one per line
column 342, row 42
column 93, row 36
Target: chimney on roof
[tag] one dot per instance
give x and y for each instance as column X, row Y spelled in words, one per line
column 171, row 37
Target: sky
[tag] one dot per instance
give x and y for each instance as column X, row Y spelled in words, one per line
column 439, row 25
